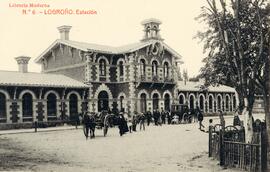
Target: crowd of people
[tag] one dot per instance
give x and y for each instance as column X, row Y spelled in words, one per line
column 128, row 123
column 158, row 118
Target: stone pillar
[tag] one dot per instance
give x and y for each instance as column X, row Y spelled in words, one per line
column 94, row 105
column 187, row 99
column 148, row 73
column 8, row 111
column 132, row 101
column 149, row 105
column 160, row 74
column 58, row 108
column 66, row 107
column 161, row 104
column 39, row 110
column 84, row 105
column 205, row 106
column 35, row 108
column 90, row 98
column 80, row 102
column 20, row 113
column 88, row 67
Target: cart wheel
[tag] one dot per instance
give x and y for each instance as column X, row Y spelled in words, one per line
column 105, row 130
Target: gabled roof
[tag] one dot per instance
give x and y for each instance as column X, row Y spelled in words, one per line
column 198, row 86
column 104, row 48
column 12, row 78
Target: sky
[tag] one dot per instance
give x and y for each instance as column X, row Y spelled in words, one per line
column 116, row 23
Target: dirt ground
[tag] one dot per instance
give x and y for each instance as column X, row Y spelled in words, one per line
column 167, row 148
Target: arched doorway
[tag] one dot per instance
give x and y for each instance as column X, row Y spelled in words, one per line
column 27, row 107
column 181, row 100
column 51, row 106
column 167, row 102
column 73, row 106
column 210, row 103
column 122, row 109
column 103, row 101
column 219, row 103
column 227, row 103
column 155, row 101
column 201, row 103
column 3, row 110
column 191, row 102
column 143, row 102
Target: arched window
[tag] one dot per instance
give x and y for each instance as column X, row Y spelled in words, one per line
column 51, row 106
column 155, row 101
column 191, row 102
column 154, row 68
column 143, row 102
column 3, row 111
column 142, row 67
column 103, row 101
column 102, row 67
column 201, row 102
column 121, row 69
column 167, row 102
column 181, row 100
column 227, row 103
column 27, row 107
column 121, row 103
column 219, row 103
column 210, row 103
column 73, row 106
column 166, row 70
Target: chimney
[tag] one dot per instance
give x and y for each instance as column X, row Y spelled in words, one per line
column 23, row 63
column 64, row 32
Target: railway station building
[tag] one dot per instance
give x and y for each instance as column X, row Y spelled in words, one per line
column 78, row 76
column 135, row 77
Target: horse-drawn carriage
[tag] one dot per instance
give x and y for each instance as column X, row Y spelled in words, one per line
column 181, row 113
column 92, row 121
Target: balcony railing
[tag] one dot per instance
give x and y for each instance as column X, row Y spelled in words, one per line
column 155, row 78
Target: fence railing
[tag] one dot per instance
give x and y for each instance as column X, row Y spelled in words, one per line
column 227, row 145
column 242, row 155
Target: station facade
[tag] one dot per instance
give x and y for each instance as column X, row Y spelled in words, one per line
column 135, row 77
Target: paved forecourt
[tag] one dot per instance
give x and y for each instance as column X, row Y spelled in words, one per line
column 167, row 148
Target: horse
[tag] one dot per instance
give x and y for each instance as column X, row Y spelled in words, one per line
column 89, row 125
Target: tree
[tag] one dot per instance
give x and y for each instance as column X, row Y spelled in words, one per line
column 237, row 42
column 238, row 45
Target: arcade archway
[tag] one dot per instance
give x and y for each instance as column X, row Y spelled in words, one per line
column 103, row 101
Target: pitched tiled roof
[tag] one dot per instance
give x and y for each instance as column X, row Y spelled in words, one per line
column 198, row 86
column 12, row 78
column 104, row 48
